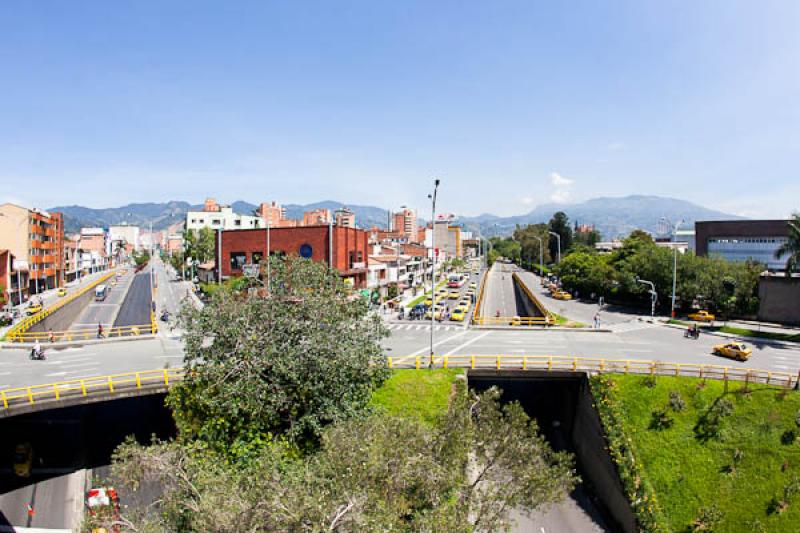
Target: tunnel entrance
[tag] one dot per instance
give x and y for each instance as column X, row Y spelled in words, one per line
column 83, row 436
column 562, row 405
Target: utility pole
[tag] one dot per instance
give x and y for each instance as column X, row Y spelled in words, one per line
column 674, row 228
column 432, row 197
column 558, row 241
column 653, row 294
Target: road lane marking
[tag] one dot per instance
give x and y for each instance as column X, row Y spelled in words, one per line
column 427, row 348
column 464, row 345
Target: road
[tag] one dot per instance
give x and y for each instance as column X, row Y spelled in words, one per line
column 499, row 298
column 104, row 312
column 450, row 303
column 57, row 504
column 137, row 306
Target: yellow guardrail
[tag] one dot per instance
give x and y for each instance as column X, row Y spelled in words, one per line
column 511, row 321
column 545, row 313
column 477, row 313
column 118, row 383
column 24, row 325
column 85, row 334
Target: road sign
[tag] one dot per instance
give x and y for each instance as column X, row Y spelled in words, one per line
column 250, row 271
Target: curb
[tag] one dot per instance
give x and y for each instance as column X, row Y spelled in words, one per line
column 539, row 328
column 760, row 340
column 76, row 344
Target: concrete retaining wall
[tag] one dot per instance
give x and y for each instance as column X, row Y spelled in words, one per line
column 779, row 299
column 62, row 319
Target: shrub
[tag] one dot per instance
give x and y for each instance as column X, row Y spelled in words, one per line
column 708, row 518
column 661, row 420
column 676, row 402
column 789, row 437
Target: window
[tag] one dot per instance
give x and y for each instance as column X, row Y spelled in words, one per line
column 237, row 222
column 257, row 257
column 238, row 259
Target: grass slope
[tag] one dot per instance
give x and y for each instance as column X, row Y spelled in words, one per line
column 420, row 394
column 687, row 472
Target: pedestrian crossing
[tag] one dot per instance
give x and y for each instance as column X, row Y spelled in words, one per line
column 631, row 325
column 422, row 327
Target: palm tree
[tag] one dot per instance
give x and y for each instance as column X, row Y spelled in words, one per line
column 792, row 246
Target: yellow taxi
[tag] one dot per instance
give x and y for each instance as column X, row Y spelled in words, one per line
column 464, row 308
column 454, row 295
column 23, row 459
column 734, row 350
column 702, row 316
column 562, row 295
column 458, row 315
column 437, row 313
column 61, row 292
column 33, row 309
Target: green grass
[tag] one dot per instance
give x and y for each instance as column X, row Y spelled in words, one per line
column 567, row 322
column 685, row 473
column 420, row 394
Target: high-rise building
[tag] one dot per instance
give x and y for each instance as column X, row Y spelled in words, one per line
column 405, row 225
column 36, row 239
column 272, row 213
column 345, row 217
column 217, row 217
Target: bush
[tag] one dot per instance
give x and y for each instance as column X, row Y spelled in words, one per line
column 708, row 518
column 676, row 402
column 789, row 437
column 661, row 420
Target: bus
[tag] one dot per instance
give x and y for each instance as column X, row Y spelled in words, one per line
column 100, row 293
column 456, row 281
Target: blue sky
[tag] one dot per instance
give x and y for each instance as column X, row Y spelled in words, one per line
column 511, row 104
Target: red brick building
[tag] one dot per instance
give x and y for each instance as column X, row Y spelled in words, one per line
column 350, row 251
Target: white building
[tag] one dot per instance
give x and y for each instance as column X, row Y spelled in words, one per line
column 217, row 216
column 126, row 234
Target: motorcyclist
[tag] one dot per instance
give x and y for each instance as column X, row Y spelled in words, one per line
column 497, row 314
column 37, row 352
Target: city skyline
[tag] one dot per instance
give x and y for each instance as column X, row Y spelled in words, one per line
column 512, row 106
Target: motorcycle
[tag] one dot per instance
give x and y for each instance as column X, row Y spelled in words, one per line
column 692, row 334
column 165, row 316
column 37, row 355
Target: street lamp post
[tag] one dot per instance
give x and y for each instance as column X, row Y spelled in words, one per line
column 674, row 228
column 541, row 253
column 558, row 241
column 653, row 294
column 432, row 197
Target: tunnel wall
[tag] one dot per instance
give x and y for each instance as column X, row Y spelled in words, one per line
column 565, row 397
column 62, row 319
column 526, row 300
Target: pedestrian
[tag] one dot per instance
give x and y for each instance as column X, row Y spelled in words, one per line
column 99, row 331
column 51, row 336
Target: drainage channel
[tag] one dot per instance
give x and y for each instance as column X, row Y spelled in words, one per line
column 562, row 405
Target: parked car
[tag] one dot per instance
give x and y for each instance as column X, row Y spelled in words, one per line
column 701, row 316
column 23, row 459
column 734, row 350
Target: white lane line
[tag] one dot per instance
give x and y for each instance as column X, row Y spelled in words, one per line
column 409, row 327
column 448, row 339
column 461, row 347
column 419, row 328
column 76, row 365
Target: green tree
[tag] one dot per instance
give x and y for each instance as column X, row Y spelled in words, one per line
column 791, row 248
column 286, row 363
column 587, row 272
column 529, row 238
column 560, row 224
column 200, row 244
column 587, row 238
column 377, row 473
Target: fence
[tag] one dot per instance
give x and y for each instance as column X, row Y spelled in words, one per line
column 84, row 387
column 86, row 334
column 137, row 380
column 16, row 333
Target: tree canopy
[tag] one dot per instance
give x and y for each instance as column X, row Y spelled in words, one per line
column 791, row 248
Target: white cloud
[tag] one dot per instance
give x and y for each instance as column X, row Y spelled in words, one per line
column 527, row 200
column 562, row 194
column 559, row 181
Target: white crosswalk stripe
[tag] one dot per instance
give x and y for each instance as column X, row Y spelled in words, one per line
column 633, row 325
column 421, row 327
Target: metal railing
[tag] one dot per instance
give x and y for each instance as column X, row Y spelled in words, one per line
column 86, row 334
column 510, row 321
column 119, row 383
column 599, row 365
column 87, row 386
column 476, row 314
column 15, row 334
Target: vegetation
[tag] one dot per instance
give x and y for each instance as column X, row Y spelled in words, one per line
column 423, row 396
column 791, row 248
column 281, row 428
column 722, row 286
column 200, row 244
column 698, row 455
column 141, row 257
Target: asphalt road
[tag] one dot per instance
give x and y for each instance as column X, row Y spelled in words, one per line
column 57, row 504
column 104, row 312
column 499, row 297
column 135, row 310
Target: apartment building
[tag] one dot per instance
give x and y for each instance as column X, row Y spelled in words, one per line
column 345, row 217
column 221, row 217
column 405, row 225
column 94, row 248
column 316, row 217
column 36, row 239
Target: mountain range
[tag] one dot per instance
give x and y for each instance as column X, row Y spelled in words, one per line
column 612, row 217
